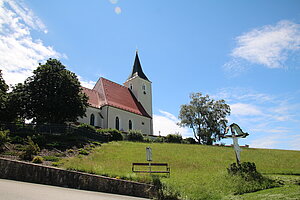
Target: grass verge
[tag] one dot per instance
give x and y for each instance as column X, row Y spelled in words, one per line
column 197, row 171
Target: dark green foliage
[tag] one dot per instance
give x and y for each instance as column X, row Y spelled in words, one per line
column 246, row 170
column 247, row 179
column 135, row 135
column 3, row 99
column 159, row 139
column 206, row 117
column 173, row 138
column 53, row 94
column 190, row 140
column 41, row 140
column 113, row 134
column 87, row 127
column 17, row 104
column 37, row 159
column 30, row 149
column 4, row 137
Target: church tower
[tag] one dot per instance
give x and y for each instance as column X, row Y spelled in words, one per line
column 140, row 85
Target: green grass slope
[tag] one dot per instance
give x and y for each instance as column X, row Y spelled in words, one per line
column 197, row 171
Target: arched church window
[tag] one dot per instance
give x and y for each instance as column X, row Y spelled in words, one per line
column 92, row 120
column 117, row 123
column 131, row 86
column 130, row 125
column 144, row 88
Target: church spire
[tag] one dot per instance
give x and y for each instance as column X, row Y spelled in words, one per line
column 137, row 68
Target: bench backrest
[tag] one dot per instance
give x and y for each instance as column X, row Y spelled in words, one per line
column 152, row 164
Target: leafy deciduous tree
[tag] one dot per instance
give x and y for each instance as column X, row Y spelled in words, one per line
column 17, row 103
column 54, row 94
column 205, row 116
column 3, row 98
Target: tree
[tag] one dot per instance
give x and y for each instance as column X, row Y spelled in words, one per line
column 17, row 103
column 205, row 116
column 54, row 94
column 3, row 98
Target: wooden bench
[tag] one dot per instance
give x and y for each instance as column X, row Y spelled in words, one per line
column 151, row 168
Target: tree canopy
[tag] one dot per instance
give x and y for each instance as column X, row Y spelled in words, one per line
column 205, row 116
column 52, row 95
column 3, row 97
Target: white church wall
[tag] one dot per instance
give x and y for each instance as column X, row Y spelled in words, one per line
column 89, row 112
column 138, row 122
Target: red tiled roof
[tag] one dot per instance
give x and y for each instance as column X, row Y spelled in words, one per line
column 116, row 95
column 94, row 99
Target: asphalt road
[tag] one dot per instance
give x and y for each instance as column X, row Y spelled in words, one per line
column 15, row 190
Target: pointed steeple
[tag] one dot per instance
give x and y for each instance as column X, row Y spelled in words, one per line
column 137, row 68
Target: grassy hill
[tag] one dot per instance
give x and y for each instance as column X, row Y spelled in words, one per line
column 197, row 171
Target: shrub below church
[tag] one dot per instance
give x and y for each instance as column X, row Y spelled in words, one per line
column 86, row 127
column 113, row 134
column 30, row 149
column 190, row 140
column 173, row 138
column 135, row 135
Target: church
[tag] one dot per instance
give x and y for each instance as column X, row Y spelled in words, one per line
column 123, row 107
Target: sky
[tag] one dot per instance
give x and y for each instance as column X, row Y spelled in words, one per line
column 245, row 52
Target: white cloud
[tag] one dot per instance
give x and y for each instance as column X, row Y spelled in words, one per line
column 113, row 1
column 242, row 94
column 166, row 123
column 271, row 120
column 268, row 142
column 244, row 109
column 277, row 140
column 295, row 142
column 270, row 45
column 19, row 52
column 118, row 10
column 26, row 15
column 86, row 83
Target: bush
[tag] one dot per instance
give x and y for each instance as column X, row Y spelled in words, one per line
column 159, row 139
column 4, row 137
column 41, row 140
column 37, row 159
column 174, row 138
column 86, row 127
column 245, row 178
column 17, row 140
column 114, row 134
column 30, row 149
column 190, row 140
column 135, row 135
column 246, row 170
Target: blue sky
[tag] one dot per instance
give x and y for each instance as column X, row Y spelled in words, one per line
column 246, row 52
